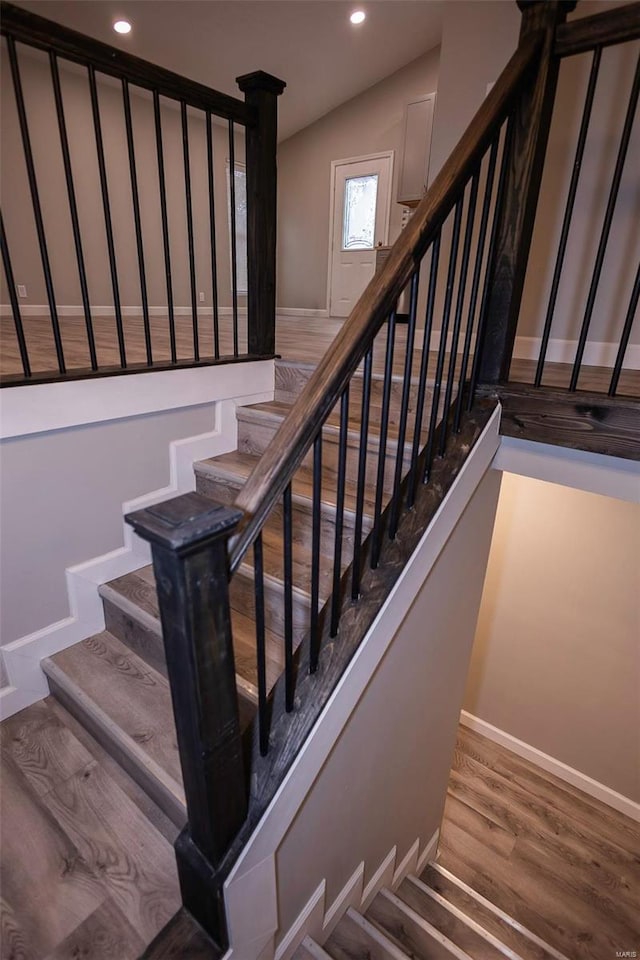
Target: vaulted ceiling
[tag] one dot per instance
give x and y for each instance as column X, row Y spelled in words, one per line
column 310, row 44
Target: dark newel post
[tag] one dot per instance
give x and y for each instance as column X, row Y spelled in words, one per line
column 261, row 91
column 188, row 537
column 516, row 218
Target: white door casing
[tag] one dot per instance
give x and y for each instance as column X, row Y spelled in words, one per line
column 351, row 257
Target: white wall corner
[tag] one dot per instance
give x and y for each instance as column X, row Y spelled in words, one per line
column 349, row 896
column 407, row 864
column 22, row 657
column 382, row 877
column 308, row 924
column 251, row 906
column 429, row 852
column 595, row 789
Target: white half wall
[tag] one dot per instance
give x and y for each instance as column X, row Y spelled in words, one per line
column 75, row 458
column 382, row 746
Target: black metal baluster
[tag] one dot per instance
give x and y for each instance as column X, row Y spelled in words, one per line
column 15, row 306
column 362, row 474
column 136, row 219
column 568, row 213
column 424, row 366
column 35, row 199
column 475, row 283
column 261, row 650
column 189, row 210
column 234, row 252
column 73, row 207
column 404, row 406
column 376, row 538
column 314, row 632
column 342, row 473
column 457, row 323
column 165, row 225
column 287, row 517
column 606, row 227
column 104, row 189
column 444, row 332
column 626, row 331
column 502, row 179
column 212, row 234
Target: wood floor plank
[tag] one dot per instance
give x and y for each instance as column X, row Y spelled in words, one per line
column 134, row 696
column 48, row 885
column 527, row 817
column 571, row 877
column 13, row 941
column 43, row 748
column 104, row 935
column 135, row 864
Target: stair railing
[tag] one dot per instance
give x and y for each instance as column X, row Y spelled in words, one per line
column 449, row 246
column 583, row 394
column 158, row 339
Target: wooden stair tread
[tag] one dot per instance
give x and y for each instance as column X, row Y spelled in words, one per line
column 127, row 706
column 475, row 908
column 414, row 933
column 139, row 589
column 469, row 938
column 275, row 411
column 238, row 465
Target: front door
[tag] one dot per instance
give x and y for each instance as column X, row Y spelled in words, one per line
column 361, row 201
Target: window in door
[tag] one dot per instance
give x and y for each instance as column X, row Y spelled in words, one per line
column 359, row 216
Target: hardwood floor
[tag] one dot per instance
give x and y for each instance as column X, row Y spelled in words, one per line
column 87, row 866
column 561, row 863
column 296, row 338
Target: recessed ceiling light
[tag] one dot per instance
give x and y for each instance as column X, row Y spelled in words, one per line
column 122, row 26
column 358, row 16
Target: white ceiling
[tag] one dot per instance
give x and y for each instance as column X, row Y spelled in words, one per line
column 308, row 43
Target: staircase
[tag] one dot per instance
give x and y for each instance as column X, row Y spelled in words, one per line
column 433, row 917
column 115, row 683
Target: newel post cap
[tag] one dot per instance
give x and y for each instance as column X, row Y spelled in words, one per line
column 259, row 80
column 184, row 523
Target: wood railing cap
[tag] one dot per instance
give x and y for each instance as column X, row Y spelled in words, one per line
column 259, row 80
column 184, row 522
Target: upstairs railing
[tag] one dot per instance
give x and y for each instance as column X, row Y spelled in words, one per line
column 174, row 129
column 568, row 271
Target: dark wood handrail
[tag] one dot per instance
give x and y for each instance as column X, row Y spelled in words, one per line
column 286, row 452
column 618, row 25
column 26, row 27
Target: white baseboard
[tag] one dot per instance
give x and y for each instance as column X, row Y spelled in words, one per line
column 317, row 920
column 320, row 313
column 596, row 354
column 22, row 657
column 407, row 864
column 556, row 767
column 349, row 896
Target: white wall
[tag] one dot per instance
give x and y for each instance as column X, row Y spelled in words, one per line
column 69, row 474
column 45, row 140
column 368, row 123
column 483, row 36
column 556, row 660
column 365, row 795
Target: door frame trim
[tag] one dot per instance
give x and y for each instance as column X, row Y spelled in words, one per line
column 380, row 155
